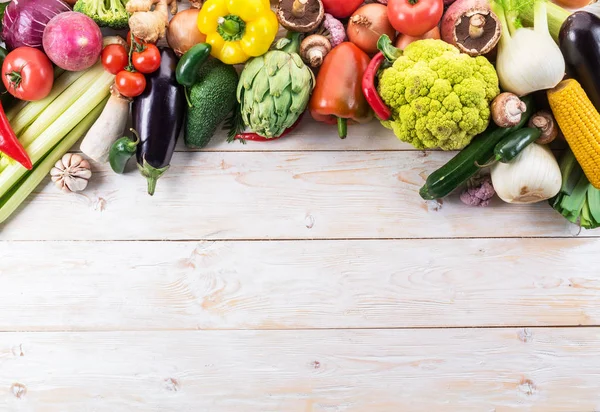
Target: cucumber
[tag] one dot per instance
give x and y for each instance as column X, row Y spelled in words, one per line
column 514, row 143
column 464, row 165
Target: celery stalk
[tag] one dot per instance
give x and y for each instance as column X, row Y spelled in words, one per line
column 34, row 177
column 47, row 139
column 54, row 110
column 24, row 113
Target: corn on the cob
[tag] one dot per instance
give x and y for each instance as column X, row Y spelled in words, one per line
column 580, row 124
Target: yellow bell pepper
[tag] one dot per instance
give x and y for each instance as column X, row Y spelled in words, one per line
column 238, row 29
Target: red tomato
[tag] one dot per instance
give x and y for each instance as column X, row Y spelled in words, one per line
column 27, row 74
column 147, row 60
column 130, row 84
column 415, row 17
column 114, row 58
column 129, row 39
column 341, row 8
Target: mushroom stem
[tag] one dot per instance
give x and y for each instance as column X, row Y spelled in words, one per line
column 299, row 8
column 315, row 57
column 476, row 24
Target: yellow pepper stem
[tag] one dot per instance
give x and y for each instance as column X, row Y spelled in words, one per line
column 231, row 27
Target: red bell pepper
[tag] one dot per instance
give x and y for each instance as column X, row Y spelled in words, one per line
column 338, row 96
column 10, row 145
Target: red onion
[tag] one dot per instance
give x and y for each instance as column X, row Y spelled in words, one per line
column 25, row 21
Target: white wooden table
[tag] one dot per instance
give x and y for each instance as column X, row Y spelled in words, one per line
column 299, row 275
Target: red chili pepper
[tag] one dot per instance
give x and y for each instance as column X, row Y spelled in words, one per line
column 370, row 90
column 253, row 137
column 10, row 145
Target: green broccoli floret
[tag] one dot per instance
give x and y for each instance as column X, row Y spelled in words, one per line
column 439, row 97
column 106, row 13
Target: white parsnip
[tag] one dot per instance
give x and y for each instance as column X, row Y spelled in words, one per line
column 108, row 128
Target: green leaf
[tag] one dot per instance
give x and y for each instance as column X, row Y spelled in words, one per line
column 2, row 10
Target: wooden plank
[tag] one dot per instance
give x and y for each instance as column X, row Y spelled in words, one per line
column 354, row 195
column 319, row 371
column 57, row 286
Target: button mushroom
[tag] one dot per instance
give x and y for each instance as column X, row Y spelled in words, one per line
column 471, row 26
column 314, row 48
column 300, row 15
column 507, row 110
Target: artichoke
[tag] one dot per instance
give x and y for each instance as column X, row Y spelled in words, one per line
column 275, row 88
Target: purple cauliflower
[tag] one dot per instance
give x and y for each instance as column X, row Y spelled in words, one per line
column 335, row 29
column 479, row 192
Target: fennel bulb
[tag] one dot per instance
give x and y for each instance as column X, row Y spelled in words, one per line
column 528, row 59
column 533, row 176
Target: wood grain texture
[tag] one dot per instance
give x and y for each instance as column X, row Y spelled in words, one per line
column 298, row 285
column 354, row 195
column 318, row 371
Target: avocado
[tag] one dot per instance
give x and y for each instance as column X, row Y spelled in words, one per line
column 212, row 98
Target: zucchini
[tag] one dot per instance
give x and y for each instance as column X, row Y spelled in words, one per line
column 514, row 143
column 464, row 165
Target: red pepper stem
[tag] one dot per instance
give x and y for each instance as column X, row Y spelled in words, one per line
column 370, row 90
column 342, row 125
column 253, row 137
column 385, row 45
column 10, row 145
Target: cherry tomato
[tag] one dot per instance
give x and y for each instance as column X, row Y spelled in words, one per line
column 27, row 74
column 147, row 60
column 114, row 58
column 137, row 40
column 130, row 84
column 415, row 17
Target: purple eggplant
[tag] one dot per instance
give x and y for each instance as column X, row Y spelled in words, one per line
column 158, row 115
column 580, row 45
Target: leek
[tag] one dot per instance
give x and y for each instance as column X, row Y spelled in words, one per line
column 578, row 200
column 23, row 113
column 34, row 177
column 48, row 138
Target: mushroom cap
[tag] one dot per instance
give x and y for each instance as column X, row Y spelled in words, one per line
column 488, row 31
column 313, row 15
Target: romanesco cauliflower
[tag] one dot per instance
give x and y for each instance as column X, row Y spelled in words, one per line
column 438, row 96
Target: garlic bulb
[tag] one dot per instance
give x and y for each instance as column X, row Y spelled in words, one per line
column 533, row 176
column 71, row 173
column 528, row 59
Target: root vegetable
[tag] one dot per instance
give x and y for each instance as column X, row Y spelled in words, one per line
column 314, row 48
column 183, row 33
column 150, row 25
column 72, row 41
column 367, row 25
column 507, row 110
column 108, row 128
column 544, row 121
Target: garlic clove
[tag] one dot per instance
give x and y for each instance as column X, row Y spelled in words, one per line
column 71, row 173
